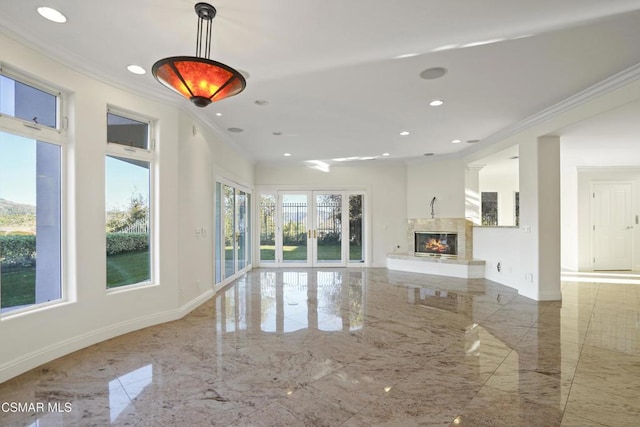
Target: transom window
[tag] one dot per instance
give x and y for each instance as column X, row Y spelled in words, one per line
column 29, row 102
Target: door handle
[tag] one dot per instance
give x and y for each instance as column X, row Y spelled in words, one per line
column 309, row 234
column 315, row 234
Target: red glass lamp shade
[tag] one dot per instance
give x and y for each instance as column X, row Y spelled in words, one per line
column 201, row 80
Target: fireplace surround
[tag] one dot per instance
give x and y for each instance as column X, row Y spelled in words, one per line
column 463, row 265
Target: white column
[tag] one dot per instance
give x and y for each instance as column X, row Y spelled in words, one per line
column 540, row 218
column 472, row 193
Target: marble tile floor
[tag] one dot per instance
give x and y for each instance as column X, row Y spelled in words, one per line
column 357, row 347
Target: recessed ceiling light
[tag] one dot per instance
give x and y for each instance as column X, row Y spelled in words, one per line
column 473, row 141
column 483, row 42
column 218, row 114
column 436, row 103
column 236, row 130
column 514, row 157
column 406, row 55
column 428, row 154
column 433, row 73
column 52, row 15
column 261, row 102
column 456, row 141
column 405, row 133
column 277, row 133
column 136, row 69
column 386, row 154
column 287, row 154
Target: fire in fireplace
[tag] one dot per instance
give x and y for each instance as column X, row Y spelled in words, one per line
column 436, row 243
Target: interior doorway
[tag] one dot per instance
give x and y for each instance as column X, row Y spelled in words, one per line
column 612, row 225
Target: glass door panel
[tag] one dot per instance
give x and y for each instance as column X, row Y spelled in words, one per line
column 229, row 231
column 218, row 224
column 356, row 210
column 327, row 231
column 241, row 231
column 268, row 228
column 295, row 232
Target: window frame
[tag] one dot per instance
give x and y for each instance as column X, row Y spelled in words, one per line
column 16, row 124
column 146, row 155
column 58, row 137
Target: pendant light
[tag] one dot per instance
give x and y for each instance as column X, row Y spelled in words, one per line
column 199, row 78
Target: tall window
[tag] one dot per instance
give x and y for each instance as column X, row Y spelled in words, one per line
column 30, row 197
column 128, row 169
column 489, row 206
column 516, row 205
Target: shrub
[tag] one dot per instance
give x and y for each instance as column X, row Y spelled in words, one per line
column 126, row 242
column 17, row 251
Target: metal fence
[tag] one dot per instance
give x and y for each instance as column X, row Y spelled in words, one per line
column 294, row 222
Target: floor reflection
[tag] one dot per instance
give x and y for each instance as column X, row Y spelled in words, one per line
column 357, row 347
column 289, row 301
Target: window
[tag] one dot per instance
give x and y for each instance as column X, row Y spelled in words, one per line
column 30, row 193
column 30, row 222
column 517, row 208
column 26, row 102
column 128, row 204
column 489, row 206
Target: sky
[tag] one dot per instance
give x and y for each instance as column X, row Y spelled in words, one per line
column 17, row 169
column 18, row 174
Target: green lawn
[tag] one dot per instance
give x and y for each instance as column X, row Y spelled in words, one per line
column 19, row 285
column 127, row 269
column 299, row 253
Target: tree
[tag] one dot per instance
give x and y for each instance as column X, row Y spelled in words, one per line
column 138, row 211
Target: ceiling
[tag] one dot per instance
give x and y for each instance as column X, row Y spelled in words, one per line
column 342, row 78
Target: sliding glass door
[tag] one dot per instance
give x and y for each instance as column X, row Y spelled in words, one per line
column 233, row 230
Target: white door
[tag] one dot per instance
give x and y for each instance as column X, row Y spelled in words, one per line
column 612, row 226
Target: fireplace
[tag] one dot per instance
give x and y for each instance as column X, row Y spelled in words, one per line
column 436, row 243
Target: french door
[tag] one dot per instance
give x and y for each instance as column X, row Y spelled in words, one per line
column 233, row 231
column 311, row 228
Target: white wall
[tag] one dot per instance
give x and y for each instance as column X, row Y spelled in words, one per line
column 386, row 188
column 499, row 245
column 443, row 179
column 200, row 159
